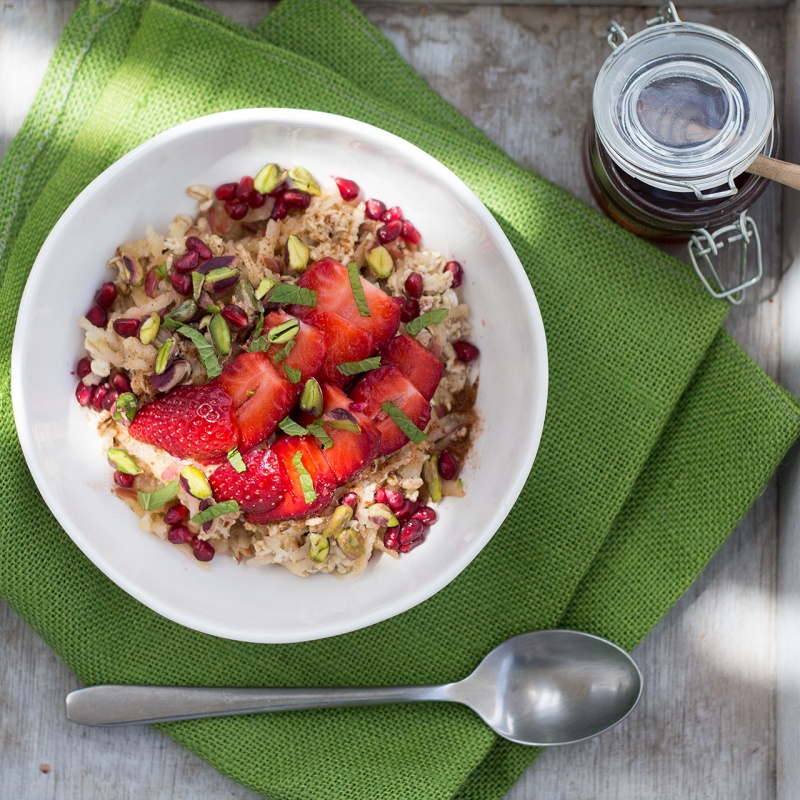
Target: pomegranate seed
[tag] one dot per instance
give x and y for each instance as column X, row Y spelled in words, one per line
column 410, row 233
column 347, row 189
column 106, row 295
column 280, row 209
column 255, row 199
column 394, row 214
column 187, row 262
column 413, row 285
column 126, row 327
column 198, row 246
column 176, row 514
column 410, row 531
column 409, row 310
column 244, row 188
column 151, row 283
column 350, row 499
column 98, row 316
column 123, row 479
column 294, row 198
column 279, row 190
column 202, row 551
column 466, row 351
column 227, row 191
column 235, row 316
column 392, row 498
column 84, row 394
column 390, row 231
column 98, row 393
column 180, row 534
column 235, row 209
column 391, row 539
column 405, row 510
column 84, row 367
column 374, row 209
column 425, row 514
column 121, row 382
column 181, row 283
column 357, row 408
column 447, row 465
column 109, row 398
column 458, row 273
column 380, row 495
column 404, row 548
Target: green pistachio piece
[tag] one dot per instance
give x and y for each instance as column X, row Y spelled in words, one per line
column 220, row 279
column 282, row 333
column 122, row 461
column 380, row 261
column 350, row 543
column 318, row 548
column 298, row 253
column 264, row 287
column 311, row 399
column 245, row 297
column 340, row 517
column 220, row 333
column 149, row 328
column 164, row 355
column 125, row 408
column 194, row 481
column 430, row 477
column 304, row 180
column 269, row 177
column 184, row 312
column 382, row 516
column 198, row 279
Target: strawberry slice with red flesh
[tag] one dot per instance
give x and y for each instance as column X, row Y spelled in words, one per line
column 343, row 342
column 308, row 353
column 262, row 396
column 190, row 422
column 415, row 361
column 389, row 384
column 294, row 504
column 331, row 281
column 351, row 451
column 259, row 488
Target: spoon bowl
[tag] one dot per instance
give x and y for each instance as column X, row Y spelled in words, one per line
column 541, row 688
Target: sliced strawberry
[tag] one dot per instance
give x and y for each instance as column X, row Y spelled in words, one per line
column 351, row 451
column 308, row 353
column 415, row 361
column 389, row 384
column 190, row 422
column 262, row 396
column 343, row 342
column 294, row 504
column 259, row 488
column 331, row 282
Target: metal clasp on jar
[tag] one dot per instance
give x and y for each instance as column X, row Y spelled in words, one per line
column 616, row 33
column 704, row 248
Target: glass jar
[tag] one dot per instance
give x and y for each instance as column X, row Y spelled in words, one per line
column 679, row 112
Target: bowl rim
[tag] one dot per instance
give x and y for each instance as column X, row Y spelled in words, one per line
column 305, row 119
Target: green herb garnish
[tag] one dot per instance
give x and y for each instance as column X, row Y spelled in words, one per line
column 291, row 293
column 306, row 481
column 436, row 315
column 358, row 290
column 294, row 375
column 292, row 428
column 152, row 500
column 204, row 349
column 217, row 510
column 356, row 367
column 236, row 460
column 403, row 422
column 284, row 351
column 318, row 432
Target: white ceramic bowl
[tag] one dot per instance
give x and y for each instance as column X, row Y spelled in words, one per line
column 65, row 455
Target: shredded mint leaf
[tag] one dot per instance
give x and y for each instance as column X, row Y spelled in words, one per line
column 152, row 500
column 356, row 367
column 172, row 324
column 204, row 349
column 291, row 293
column 217, row 510
column 403, row 422
column 161, row 271
column 259, row 326
column 259, row 345
column 292, row 374
column 316, row 430
column 237, row 462
column 292, row 428
column 358, row 290
column 306, row 481
column 432, row 317
column 284, row 351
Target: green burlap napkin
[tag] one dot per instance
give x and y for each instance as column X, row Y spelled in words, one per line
column 660, row 432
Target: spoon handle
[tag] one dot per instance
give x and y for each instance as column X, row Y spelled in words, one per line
column 776, row 170
column 128, row 705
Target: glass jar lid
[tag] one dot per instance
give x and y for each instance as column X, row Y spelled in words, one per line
column 683, row 107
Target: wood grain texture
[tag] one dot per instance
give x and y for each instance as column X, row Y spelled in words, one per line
column 708, row 723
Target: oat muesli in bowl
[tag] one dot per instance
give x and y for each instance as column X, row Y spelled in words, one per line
column 285, row 377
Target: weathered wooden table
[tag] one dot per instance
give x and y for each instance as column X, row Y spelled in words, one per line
column 720, row 714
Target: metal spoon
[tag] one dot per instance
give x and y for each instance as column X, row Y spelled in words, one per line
column 542, row 688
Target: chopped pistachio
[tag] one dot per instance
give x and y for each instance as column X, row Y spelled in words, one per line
column 164, row 355
column 350, row 543
column 282, row 333
column 311, row 399
column 380, row 261
column 269, row 178
column 340, row 517
column 304, row 180
column 382, row 516
column 263, row 287
column 220, row 333
column 123, row 461
column 318, row 548
column 298, row 253
column 430, row 477
column 184, row 312
column 194, row 481
column 149, row 328
column 125, row 408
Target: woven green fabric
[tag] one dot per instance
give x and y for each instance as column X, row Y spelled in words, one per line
column 659, row 435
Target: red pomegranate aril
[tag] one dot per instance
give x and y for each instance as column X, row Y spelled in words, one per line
column 395, row 213
column 179, row 534
column 409, row 310
column 181, row 282
column 235, row 316
column 84, row 394
column 390, row 231
column 413, row 285
column 198, row 246
column 123, row 480
column 294, row 198
column 447, row 465
column 405, row 548
column 235, row 209
column 98, row 316
column 109, row 398
column 278, row 190
column 374, row 209
column 425, row 514
column 458, row 273
column 187, row 262
column 126, row 327
column 356, row 408
column 106, row 295
column 410, row 531
column 410, row 233
column 350, row 499
column 380, row 495
column 392, row 498
column 83, row 367
column 466, row 351
column 202, row 551
column 121, row 382
column 255, row 199
column 391, row 539
column 244, row 188
column 280, row 209
column 151, row 283
column 348, row 189
column 405, row 510
column 176, row 514
column 98, row 393
column 227, row 191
